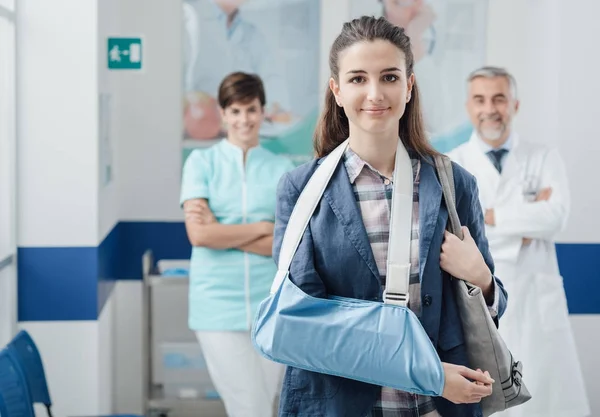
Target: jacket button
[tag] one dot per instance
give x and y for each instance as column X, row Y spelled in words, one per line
column 427, row 300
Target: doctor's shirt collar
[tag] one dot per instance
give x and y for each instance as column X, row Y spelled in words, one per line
column 508, row 145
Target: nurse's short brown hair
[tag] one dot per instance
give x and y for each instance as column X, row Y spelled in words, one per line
column 240, row 87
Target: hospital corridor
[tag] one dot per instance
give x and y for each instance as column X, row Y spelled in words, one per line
column 294, row 208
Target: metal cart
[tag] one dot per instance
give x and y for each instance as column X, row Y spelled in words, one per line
column 155, row 402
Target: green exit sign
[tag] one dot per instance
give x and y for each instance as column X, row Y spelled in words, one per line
column 124, row 53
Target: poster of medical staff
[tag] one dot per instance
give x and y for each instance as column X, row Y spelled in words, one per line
column 449, row 41
column 276, row 39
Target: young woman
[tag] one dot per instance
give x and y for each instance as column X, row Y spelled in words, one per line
column 228, row 195
column 373, row 100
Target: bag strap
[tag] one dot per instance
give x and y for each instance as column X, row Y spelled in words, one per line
column 398, row 262
column 443, row 165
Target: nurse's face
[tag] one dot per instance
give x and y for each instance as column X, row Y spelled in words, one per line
column 243, row 122
column 372, row 86
column 491, row 108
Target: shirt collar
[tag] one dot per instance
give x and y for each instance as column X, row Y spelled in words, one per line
column 486, row 148
column 231, row 148
column 355, row 165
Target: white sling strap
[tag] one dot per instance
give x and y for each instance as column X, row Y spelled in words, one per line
column 398, row 259
column 398, row 262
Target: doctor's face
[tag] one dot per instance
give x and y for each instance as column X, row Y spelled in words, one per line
column 491, row 107
column 243, row 121
column 372, row 86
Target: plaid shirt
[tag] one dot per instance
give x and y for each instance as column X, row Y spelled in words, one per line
column 374, row 195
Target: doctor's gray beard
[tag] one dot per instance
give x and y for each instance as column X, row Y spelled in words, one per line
column 491, row 133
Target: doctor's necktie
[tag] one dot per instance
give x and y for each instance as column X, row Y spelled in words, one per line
column 496, row 156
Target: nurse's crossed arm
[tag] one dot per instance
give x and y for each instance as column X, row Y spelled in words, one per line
column 203, row 229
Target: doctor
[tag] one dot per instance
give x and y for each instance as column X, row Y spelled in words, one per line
column 525, row 197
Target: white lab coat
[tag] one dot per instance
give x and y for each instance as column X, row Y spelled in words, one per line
column 536, row 325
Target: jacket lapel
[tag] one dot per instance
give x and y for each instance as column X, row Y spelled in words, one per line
column 430, row 198
column 340, row 196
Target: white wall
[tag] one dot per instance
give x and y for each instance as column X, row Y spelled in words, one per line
column 587, row 339
column 8, row 313
column 70, row 355
column 127, row 361
column 57, row 104
column 106, row 358
column 108, row 197
column 149, row 108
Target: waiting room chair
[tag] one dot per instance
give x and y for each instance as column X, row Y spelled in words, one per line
column 14, row 393
column 23, row 348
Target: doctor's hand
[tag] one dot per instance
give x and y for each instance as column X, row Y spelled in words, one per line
column 462, row 259
column 465, row 386
column 544, row 194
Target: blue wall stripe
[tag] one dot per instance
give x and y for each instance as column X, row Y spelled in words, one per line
column 57, row 284
column 168, row 240
column 108, row 251
column 580, row 267
column 74, row 283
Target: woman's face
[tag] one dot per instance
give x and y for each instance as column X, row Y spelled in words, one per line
column 373, row 86
column 243, row 121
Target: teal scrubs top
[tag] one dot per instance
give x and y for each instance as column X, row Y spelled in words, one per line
column 227, row 285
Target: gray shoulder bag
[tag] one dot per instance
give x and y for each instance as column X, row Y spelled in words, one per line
column 485, row 348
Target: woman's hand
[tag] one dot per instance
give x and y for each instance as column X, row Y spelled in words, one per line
column 465, row 386
column 462, row 259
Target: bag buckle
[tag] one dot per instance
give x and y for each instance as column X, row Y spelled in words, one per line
column 397, row 284
column 396, row 298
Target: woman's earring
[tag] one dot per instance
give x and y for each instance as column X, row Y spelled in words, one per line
column 408, row 98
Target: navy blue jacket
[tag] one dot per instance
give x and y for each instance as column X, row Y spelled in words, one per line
column 335, row 258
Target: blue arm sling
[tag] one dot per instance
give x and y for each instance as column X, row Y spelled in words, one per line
column 378, row 343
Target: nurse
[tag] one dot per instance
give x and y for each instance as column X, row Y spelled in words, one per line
column 228, row 195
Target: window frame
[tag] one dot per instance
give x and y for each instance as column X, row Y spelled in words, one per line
column 8, row 144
